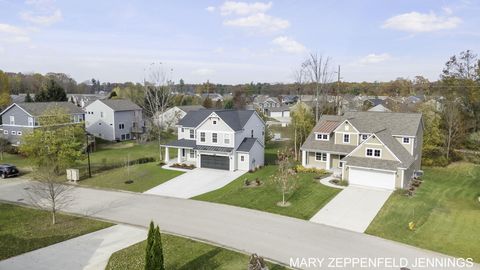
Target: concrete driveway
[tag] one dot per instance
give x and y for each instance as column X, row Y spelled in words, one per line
column 195, row 182
column 353, row 209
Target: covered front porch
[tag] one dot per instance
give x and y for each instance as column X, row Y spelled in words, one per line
column 323, row 160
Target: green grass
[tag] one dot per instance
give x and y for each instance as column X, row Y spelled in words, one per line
column 183, row 254
column 21, row 162
column 144, row 176
column 445, row 209
column 25, row 229
column 307, row 199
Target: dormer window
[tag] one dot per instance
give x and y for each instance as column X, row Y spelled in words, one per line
column 346, row 138
column 364, row 137
column 214, row 122
column 322, row 137
column 406, row 140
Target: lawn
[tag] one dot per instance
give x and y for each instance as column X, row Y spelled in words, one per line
column 144, row 176
column 182, row 254
column 445, row 209
column 307, row 199
column 26, row 229
column 17, row 160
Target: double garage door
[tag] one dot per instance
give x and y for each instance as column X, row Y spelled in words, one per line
column 371, row 178
column 215, row 162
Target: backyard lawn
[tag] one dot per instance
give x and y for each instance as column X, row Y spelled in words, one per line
column 307, row 199
column 25, row 229
column 445, row 209
column 182, row 254
column 144, row 176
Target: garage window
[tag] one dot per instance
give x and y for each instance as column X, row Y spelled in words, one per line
column 320, row 156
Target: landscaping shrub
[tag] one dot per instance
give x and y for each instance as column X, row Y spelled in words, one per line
column 301, row 169
column 473, row 141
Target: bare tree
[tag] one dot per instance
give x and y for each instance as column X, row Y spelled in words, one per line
column 318, row 71
column 299, row 75
column 49, row 193
column 158, row 94
column 453, row 124
column 285, row 178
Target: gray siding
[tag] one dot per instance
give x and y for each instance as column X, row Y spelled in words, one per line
column 21, row 117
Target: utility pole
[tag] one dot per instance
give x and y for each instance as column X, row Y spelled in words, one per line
column 88, row 156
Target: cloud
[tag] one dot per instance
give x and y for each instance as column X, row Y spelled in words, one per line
column 44, row 20
column 210, row 9
column 421, row 22
column 2, row 50
column 203, row 71
column 243, row 8
column 259, row 21
column 13, row 34
column 374, row 58
column 43, row 12
column 289, row 45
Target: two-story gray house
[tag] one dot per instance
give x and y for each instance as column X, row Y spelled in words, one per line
column 19, row 118
column 373, row 149
column 114, row 119
column 220, row 139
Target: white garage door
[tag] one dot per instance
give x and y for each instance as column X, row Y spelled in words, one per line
column 371, row 178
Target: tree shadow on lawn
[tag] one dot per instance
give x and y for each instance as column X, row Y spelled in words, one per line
column 204, row 261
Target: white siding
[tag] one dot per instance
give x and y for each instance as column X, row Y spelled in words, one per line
column 221, row 128
column 96, row 124
column 255, row 124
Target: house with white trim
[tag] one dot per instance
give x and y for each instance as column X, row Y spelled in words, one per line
column 20, row 118
column 372, row 149
column 114, row 119
column 220, row 139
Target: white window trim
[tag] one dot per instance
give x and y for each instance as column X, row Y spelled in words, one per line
column 31, row 121
column 12, row 120
column 192, row 153
column 5, row 132
column 321, row 135
column 226, row 138
column 216, row 137
column 204, row 138
column 343, row 138
column 19, row 133
column 322, row 154
column 403, row 140
column 14, row 132
column 373, row 152
column 191, row 133
column 120, row 127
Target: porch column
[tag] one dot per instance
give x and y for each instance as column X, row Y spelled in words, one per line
column 167, row 154
column 179, row 155
column 327, row 167
column 304, row 158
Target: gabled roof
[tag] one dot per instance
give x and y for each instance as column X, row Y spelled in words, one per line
column 236, row 119
column 379, row 108
column 397, row 123
column 120, row 104
column 399, row 151
column 246, row 144
column 326, row 126
column 38, row 108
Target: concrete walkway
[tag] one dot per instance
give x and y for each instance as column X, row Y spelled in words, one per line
column 195, row 182
column 90, row 251
column 353, row 208
column 275, row 237
column 326, row 181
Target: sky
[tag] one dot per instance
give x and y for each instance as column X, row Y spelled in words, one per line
column 234, row 42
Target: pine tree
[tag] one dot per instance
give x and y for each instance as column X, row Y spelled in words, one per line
column 148, row 254
column 157, row 251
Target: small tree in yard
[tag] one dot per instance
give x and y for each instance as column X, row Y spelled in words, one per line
column 154, row 249
column 51, row 148
column 4, row 144
column 285, row 179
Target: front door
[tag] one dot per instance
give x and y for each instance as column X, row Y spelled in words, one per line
column 183, row 152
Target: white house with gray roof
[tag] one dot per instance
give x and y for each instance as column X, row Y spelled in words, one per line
column 114, row 119
column 220, row 139
column 170, row 118
column 20, row 118
column 373, row 149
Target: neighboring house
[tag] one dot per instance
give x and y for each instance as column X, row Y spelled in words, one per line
column 20, row 98
column 114, row 119
column 379, row 108
column 264, row 103
column 19, row 118
column 220, row 139
column 170, row 117
column 278, row 112
column 213, row 96
column 373, row 149
column 83, row 100
column 288, row 99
